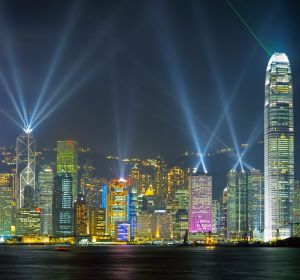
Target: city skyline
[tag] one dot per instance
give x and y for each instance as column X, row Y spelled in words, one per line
column 121, row 135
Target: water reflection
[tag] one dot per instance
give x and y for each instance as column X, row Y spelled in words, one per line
column 146, row 262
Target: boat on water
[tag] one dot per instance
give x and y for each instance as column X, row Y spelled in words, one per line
column 62, row 248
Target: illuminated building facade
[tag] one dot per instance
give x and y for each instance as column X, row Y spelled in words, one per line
column 6, row 203
column 80, row 216
column 200, row 205
column 215, row 215
column 256, row 204
column 161, row 182
column 67, row 162
column 278, row 148
column 29, row 221
column 103, row 196
column 62, row 201
column 101, row 221
column 149, row 199
column 122, row 232
column 45, row 189
column 181, row 223
column 132, row 210
column 176, row 180
column 144, row 225
column 296, row 210
column 25, row 171
column 116, row 204
column 182, row 199
column 222, row 222
column 237, row 204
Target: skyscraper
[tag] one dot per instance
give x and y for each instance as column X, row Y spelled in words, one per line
column 278, row 148
column 62, row 210
column 255, row 203
column 25, row 170
column 67, row 162
column 237, row 204
column 80, row 216
column 45, row 189
column 116, row 204
column 200, row 206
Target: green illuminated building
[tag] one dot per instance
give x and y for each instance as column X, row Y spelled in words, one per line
column 67, row 162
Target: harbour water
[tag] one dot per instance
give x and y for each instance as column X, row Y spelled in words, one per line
column 148, row 262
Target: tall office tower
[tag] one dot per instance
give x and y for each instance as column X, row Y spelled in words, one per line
column 135, row 177
column 132, row 210
column 116, row 205
column 296, row 211
column 215, row 215
column 80, row 216
column 144, row 183
column 237, row 204
column 6, row 203
column 200, row 212
column 222, row 223
column 103, row 203
column 161, row 183
column 45, row 189
column 67, row 162
column 176, row 181
column 181, row 224
column 91, row 189
column 25, row 170
column 256, row 203
column 62, row 205
column 278, row 148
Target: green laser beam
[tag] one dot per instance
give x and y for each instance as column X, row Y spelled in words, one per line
column 248, row 28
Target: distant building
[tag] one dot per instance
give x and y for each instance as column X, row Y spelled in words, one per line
column 176, row 180
column 237, row 205
column 181, row 224
column 200, row 205
column 161, row 183
column 215, row 215
column 222, row 222
column 62, row 215
column 6, row 203
column 80, row 216
column 116, row 204
column 296, row 210
column 182, row 199
column 67, row 162
column 45, row 192
column 29, row 221
column 256, row 204
column 122, row 232
column 157, row 225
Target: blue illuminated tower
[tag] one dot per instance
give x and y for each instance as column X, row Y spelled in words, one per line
column 62, row 209
column 278, row 148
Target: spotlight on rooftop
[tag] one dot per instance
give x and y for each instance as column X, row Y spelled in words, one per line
column 123, row 180
column 27, row 129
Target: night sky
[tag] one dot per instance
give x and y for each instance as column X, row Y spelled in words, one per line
column 138, row 76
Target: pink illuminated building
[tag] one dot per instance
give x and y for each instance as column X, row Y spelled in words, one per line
column 200, row 206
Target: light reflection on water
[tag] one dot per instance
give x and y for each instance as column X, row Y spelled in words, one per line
column 147, row 262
